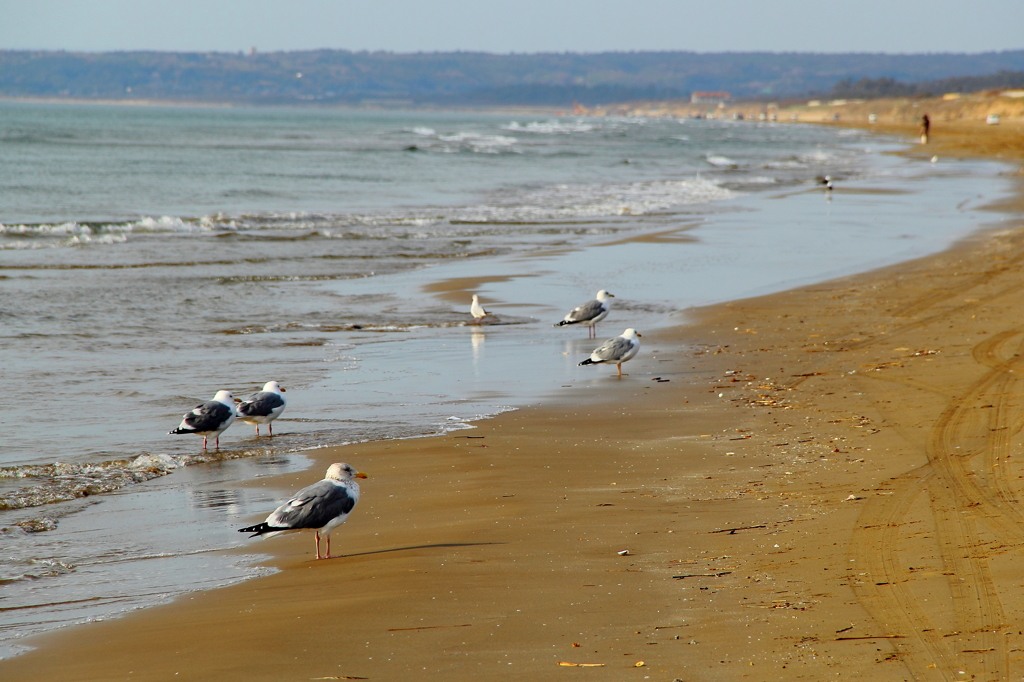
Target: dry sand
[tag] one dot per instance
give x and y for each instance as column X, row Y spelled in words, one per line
column 826, row 488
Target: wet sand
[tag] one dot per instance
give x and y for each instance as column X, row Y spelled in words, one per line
column 825, row 487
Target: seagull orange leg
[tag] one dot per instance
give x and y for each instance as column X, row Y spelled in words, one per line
column 204, row 442
column 328, row 555
column 316, row 536
column 270, row 427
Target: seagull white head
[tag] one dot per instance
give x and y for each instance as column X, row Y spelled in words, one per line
column 273, row 387
column 225, row 397
column 631, row 334
column 340, row 471
column 604, row 296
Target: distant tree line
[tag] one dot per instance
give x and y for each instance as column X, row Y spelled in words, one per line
column 470, row 78
column 870, row 88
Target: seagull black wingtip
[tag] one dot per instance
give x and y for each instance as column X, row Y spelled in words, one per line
column 258, row 529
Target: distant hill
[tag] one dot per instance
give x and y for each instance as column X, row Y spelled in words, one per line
column 464, row 78
column 867, row 88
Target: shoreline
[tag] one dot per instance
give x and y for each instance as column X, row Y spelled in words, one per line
column 452, row 548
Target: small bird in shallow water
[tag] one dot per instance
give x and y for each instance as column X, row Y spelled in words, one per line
column 590, row 313
column 827, row 181
column 477, row 310
column 263, row 407
column 618, row 350
column 212, row 418
column 321, row 507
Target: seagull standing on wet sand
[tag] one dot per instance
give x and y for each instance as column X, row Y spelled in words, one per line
column 590, row 313
column 263, row 407
column 212, row 418
column 477, row 310
column 322, row 506
column 617, row 350
column 827, row 181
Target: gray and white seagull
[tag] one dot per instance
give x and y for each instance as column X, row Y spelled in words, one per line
column 211, row 418
column 321, row 507
column 617, row 350
column 263, row 407
column 590, row 313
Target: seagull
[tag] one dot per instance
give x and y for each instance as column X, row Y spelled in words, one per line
column 477, row 310
column 617, row 350
column 590, row 313
column 263, row 407
column 212, row 418
column 322, row 506
column 827, row 181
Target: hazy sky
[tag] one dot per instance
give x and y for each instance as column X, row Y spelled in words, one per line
column 515, row 25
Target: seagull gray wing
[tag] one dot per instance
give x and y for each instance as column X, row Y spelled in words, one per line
column 313, row 507
column 260, row 404
column 207, row 417
column 612, row 350
column 587, row 311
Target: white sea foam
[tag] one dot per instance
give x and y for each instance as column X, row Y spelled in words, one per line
column 12, row 568
column 579, row 201
column 82, row 239
column 786, row 164
column 59, row 229
column 551, row 127
column 62, row 481
column 720, row 161
column 550, row 203
column 817, row 157
column 478, row 142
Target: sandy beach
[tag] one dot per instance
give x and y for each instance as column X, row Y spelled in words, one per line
column 816, row 484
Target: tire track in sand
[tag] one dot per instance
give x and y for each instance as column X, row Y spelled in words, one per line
column 958, row 503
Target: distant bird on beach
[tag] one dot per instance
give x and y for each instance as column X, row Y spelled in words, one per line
column 827, row 181
column 590, row 313
column 617, row 350
column 212, row 418
column 263, row 407
column 477, row 310
column 322, row 507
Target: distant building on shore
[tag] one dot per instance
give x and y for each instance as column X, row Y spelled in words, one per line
column 707, row 97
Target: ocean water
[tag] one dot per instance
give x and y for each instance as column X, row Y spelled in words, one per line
column 150, row 256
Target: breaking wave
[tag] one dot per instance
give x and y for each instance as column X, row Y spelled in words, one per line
column 555, row 202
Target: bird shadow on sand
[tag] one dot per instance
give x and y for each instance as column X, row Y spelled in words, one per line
column 404, row 549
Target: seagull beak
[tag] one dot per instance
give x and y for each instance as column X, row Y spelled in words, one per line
column 639, row 334
column 360, row 474
column 237, row 400
column 611, row 295
column 283, row 390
